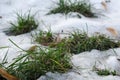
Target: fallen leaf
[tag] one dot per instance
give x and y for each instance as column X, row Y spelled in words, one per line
column 112, row 31
column 104, row 5
column 6, row 75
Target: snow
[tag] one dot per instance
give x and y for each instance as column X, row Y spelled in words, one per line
column 68, row 23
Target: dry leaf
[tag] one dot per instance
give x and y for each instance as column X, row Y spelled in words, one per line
column 6, row 75
column 112, row 31
column 104, row 5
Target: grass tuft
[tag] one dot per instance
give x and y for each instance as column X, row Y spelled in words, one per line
column 25, row 23
column 43, row 37
column 66, row 6
column 80, row 42
column 77, row 42
column 106, row 72
column 33, row 64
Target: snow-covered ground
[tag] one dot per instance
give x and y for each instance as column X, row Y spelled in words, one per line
column 109, row 17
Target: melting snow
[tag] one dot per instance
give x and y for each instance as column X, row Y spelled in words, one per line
column 58, row 22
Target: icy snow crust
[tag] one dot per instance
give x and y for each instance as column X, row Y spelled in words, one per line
column 58, row 22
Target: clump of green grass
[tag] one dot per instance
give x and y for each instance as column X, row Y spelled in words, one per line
column 43, row 37
column 25, row 23
column 77, row 43
column 47, row 38
column 66, row 6
column 106, row 72
column 33, row 64
column 80, row 42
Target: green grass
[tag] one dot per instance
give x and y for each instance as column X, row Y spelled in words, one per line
column 43, row 37
column 106, row 72
column 33, row 64
column 25, row 23
column 40, row 61
column 66, row 6
column 77, row 42
column 80, row 42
